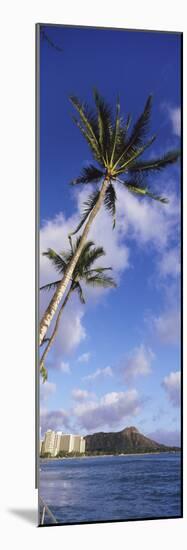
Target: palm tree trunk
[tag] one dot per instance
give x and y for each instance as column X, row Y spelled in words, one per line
column 52, row 307
column 46, row 351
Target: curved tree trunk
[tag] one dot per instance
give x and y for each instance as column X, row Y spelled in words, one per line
column 51, row 339
column 52, row 307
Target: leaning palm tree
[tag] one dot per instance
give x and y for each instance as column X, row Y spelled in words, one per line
column 117, row 152
column 84, row 271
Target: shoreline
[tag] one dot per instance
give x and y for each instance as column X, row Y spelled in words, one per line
column 109, row 455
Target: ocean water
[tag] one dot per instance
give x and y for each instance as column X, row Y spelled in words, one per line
column 112, row 487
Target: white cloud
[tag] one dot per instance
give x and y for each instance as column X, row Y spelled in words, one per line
column 84, row 358
column 56, row 364
column 54, row 420
column 80, row 395
column 46, row 389
column 54, row 234
column 101, row 232
column 71, row 333
column 137, row 363
column 146, row 222
column 171, row 384
column 109, row 410
column 175, row 118
column 169, row 263
column 140, row 220
column 107, row 371
column 167, row 326
column 71, row 330
column 64, row 367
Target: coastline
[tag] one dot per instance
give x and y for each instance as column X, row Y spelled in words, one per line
column 109, row 455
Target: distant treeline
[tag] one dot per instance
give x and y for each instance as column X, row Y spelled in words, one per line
column 62, row 454
column 130, row 451
column 73, row 454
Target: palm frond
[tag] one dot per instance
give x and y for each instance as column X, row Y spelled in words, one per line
column 87, row 116
column 66, row 255
column 81, row 261
column 140, row 129
column 56, row 260
column 98, row 270
column 89, row 174
column 43, row 373
column 138, row 134
column 90, row 126
column 104, row 122
column 83, row 258
column 121, row 138
column 86, row 246
column 50, row 286
column 93, row 144
column 78, row 288
column 156, row 164
column 116, row 133
column 159, row 198
column 84, row 271
column 110, row 202
column 88, row 207
column 127, row 125
column 138, row 152
column 140, row 190
column 101, row 280
column 90, row 257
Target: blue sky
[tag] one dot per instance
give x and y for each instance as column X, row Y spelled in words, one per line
column 116, row 360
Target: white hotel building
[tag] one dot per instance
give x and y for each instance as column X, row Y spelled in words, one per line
column 54, row 442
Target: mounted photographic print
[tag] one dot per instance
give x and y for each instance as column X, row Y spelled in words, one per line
column 109, row 308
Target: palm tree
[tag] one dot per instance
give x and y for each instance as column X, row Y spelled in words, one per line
column 117, row 152
column 83, row 271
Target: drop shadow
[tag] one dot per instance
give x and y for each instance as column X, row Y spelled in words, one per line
column 29, row 515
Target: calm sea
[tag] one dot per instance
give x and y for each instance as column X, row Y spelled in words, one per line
column 112, row 487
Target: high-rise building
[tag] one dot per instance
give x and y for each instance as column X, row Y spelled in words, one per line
column 54, row 442
column 67, row 443
column 82, row 445
column 57, row 443
column 48, row 442
column 79, row 444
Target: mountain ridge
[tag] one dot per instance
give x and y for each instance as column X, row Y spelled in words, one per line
column 128, row 440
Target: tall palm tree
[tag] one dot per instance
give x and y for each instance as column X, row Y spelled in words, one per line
column 117, row 152
column 84, row 271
